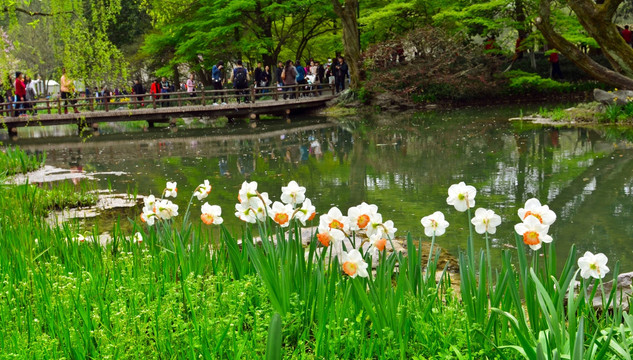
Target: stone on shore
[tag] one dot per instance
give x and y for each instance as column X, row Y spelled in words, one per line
column 618, row 97
column 622, row 293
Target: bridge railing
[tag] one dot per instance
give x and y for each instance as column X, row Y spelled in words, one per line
column 172, row 99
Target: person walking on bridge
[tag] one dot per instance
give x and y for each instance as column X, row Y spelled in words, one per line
column 66, row 88
column 31, row 94
column 240, row 79
column 137, row 89
column 280, row 70
column 164, row 89
column 258, row 75
column 217, row 75
column 155, row 90
column 289, row 76
column 191, row 86
column 20, row 92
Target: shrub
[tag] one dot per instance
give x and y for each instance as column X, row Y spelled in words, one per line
column 444, row 67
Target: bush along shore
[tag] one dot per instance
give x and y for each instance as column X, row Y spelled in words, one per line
column 451, row 72
column 609, row 108
column 182, row 286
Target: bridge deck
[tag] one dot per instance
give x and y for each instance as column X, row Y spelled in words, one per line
column 153, row 110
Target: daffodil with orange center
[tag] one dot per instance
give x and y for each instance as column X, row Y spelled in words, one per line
column 281, row 213
column 378, row 242
column 328, row 237
column 534, row 208
column 360, row 216
column 324, row 238
column 211, row 214
column 533, row 232
column 334, row 219
column 354, row 265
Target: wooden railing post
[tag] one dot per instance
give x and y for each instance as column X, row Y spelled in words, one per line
column 48, row 106
column 154, row 102
column 202, row 97
column 333, row 87
column 276, row 93
column 252, row 94
column 179, row 100
column 59, row 104
column 92, row 104
column 106, row 102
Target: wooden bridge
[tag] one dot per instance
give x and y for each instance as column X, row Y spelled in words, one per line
column 153, row 108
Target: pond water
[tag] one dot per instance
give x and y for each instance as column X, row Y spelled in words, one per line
column 404, row 163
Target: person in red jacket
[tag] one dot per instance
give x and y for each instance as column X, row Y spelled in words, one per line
column 554, row 60
column 155, row 89
column 627, row 35
column 20, row 92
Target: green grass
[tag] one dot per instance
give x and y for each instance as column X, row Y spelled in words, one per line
column 189, row 291
column 13, row 161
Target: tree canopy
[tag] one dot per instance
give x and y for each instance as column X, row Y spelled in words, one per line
column 106, row 41
column 68, row 33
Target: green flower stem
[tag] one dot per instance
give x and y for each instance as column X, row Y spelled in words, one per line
column 489, row 261
column 186, row 217
column 470, row 247
column 428, row 261
column 420, row 251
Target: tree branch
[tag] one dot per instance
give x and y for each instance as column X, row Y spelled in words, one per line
column 6, row 9
column 338, row 8
column 582, row 60
column 584, row 6
column 608, row 8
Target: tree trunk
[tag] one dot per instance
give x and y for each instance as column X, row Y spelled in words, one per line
column 351, row 38
column 176, row 79
column 582, row 60
column 598, row 21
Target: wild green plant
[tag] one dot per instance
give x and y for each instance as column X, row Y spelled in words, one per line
column 611, row 113
column 14, row 160
column 548, row 317
column 191, row 289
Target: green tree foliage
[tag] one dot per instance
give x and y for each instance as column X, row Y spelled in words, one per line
column 199, row 33
column 76, row 37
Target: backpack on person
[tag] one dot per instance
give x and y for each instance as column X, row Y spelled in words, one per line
column 241, row 81
column 283, row 75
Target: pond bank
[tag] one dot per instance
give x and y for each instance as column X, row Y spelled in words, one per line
column 390, row 102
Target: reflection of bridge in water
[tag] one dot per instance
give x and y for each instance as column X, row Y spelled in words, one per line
column 161, row 108
column 142, row 145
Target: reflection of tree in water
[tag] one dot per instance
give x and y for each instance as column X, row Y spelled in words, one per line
column 223, row 164
column 584, row 179
column 405, row 167
column 246, row 161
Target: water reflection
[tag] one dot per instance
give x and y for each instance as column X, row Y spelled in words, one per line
column 404, row 166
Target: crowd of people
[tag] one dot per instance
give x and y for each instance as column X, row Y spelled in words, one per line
column 21, row 92
column 287, row 74
column 239, row 78
column 19, row 96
